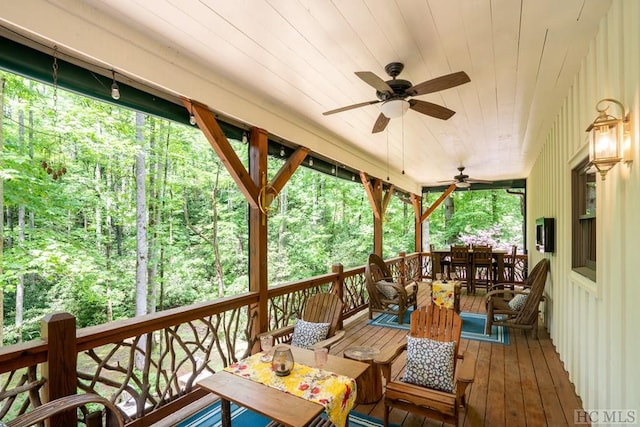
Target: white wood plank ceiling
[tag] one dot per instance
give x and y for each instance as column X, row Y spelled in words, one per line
column 300, row 56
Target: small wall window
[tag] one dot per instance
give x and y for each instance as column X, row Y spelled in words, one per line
column 583, row 206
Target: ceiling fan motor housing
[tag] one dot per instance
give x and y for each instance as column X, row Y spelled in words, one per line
column 399, row 87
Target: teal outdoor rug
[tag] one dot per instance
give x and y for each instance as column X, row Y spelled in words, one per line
column 210, row 417
column 472, row 326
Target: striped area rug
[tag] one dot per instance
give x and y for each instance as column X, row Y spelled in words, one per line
column 472, row 326
column 210, row 417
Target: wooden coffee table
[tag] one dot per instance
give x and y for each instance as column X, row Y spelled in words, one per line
column 277, row 405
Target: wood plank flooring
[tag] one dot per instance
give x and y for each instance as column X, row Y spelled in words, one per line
column 520, row 384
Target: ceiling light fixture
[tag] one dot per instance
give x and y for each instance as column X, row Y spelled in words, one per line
column 115, row 90
column 310, row 161
column 192, row 118
column 395, row 108
column 609, row 138
column 282, row 152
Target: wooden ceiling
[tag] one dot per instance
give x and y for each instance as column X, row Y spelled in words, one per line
column 297, row 58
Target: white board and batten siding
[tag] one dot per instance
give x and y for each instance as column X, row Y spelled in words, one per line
column 595, row 326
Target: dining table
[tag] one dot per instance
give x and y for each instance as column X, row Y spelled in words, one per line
column 498, row 256
column 239, row 383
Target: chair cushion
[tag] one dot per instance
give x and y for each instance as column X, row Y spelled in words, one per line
column 306, row 334
column 386, row 289
column 430, row 363
column 518, row 301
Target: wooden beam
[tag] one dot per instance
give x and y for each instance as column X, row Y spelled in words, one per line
column 437, row 203
column 387, row 199
column 290, row 166
column 417, row 214
column 209, row 126
column 368, row 188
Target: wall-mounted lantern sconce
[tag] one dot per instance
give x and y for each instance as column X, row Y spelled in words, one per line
column 610, row 138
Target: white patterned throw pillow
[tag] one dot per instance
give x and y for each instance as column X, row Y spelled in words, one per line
column 518, row 301
column 430, row 363
column 306, row 334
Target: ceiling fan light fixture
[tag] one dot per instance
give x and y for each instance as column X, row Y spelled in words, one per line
column 463, row 184
column 395, row 108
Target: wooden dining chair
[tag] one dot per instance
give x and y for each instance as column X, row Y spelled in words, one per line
column 483, row 268
column 445, row 263
column 460, row 267
column 510, row 265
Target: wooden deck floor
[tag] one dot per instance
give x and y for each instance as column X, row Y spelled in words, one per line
column 520, row 384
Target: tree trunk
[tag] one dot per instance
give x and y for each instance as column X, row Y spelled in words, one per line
column 216, row 248
column 141, row 236
column 154, row 211
column 163, row 191
column 449, row 210
column 1, row 214
column 21, row 227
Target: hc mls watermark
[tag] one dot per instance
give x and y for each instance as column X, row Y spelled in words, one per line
column 605, row 416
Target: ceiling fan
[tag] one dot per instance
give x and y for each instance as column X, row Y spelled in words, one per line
column 462, row 180
column 394, row 93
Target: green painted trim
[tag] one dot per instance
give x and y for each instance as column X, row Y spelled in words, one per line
column 34, row 64
column 497, row 185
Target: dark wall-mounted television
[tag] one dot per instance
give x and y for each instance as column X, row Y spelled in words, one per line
column 545, row 234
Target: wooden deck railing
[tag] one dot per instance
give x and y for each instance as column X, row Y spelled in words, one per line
column 148, row 364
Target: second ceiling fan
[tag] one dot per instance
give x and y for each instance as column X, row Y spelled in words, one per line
column 394, row 93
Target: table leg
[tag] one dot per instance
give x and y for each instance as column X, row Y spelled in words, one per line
column 225, row 406
column 500, row 272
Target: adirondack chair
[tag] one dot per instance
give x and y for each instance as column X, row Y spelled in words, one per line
column 319, row 308
column 64, row 404
column 515, row 308
column 386, row 294
column 442, row 327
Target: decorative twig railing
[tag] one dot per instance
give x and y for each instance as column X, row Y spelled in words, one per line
column 148, row 365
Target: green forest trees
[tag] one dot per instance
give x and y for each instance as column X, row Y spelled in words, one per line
column 109, row 213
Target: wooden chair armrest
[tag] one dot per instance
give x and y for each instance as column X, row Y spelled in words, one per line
column 278, row 333
column 501, row 285
column 337, row 337
column 389, row 354
column 63, row 404
column 466, row 368
column 502, row 292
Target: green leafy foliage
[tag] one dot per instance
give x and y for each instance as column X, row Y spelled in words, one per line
column 68, row 163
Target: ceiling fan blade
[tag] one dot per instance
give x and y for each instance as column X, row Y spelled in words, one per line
column 439, row 83
column 350, row 107
column 479, row 181
column 433, row 110
column 380, row 124
column 376, row 82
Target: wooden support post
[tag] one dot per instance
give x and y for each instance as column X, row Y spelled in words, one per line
column 377, row 219
column 59, row 331
column 338, row 286
column 416, row 202
column 258, row 232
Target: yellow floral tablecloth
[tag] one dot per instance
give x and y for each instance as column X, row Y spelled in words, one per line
column 443, row 294
column 337, row 393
